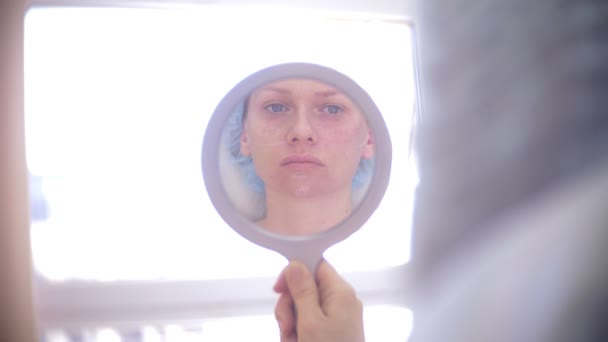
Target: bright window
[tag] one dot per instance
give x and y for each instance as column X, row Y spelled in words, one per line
column 116, row 104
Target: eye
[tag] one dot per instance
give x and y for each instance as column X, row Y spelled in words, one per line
column 276, row 108
column 332, row 109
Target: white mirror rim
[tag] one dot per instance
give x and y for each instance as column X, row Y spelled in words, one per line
column 308, row 246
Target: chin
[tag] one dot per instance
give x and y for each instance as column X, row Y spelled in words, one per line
column 303, row 191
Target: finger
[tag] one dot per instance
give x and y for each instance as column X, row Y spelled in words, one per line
column 291, row 337
column 334, row 291
column 285, row 317
column 328, row 279
column 280, row 286
column 284, row 314
column 303, row 290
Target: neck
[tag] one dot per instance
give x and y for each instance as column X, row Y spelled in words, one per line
column 287, row 215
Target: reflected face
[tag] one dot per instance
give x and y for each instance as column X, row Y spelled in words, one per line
column 306, row 138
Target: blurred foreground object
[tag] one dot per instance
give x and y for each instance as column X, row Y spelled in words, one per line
column 510, row 221
column 16, row 309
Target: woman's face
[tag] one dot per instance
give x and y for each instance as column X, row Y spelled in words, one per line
column 306, row 138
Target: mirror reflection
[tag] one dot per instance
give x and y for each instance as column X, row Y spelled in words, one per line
column 298, row 156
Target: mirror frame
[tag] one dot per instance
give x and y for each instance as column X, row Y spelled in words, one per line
column 307, row 249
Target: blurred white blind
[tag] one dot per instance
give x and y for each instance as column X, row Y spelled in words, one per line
column 117, row 102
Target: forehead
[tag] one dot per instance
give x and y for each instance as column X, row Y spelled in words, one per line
column 298, row 87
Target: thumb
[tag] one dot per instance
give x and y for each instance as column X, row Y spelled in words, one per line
column 303, row 289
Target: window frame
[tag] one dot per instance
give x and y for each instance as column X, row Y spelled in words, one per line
column 132, row 304
column 77, row 305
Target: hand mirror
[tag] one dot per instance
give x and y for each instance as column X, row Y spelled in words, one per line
column 296, row 158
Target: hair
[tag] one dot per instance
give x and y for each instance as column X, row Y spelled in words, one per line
column 234, row 129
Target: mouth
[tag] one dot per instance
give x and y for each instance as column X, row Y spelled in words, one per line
column 296, row 160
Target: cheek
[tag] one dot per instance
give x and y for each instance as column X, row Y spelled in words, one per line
column 266, row 133
column 346, row 138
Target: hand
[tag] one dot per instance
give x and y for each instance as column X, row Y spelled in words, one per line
column 328, row 310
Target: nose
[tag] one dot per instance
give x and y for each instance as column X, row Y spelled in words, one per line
column 302, row 130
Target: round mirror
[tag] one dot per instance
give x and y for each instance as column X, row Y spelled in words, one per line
column 296, row 157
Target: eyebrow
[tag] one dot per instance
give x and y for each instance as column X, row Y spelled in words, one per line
column 326, row 93
column 278, row 90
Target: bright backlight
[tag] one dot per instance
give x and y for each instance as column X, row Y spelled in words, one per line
column 117, row 102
